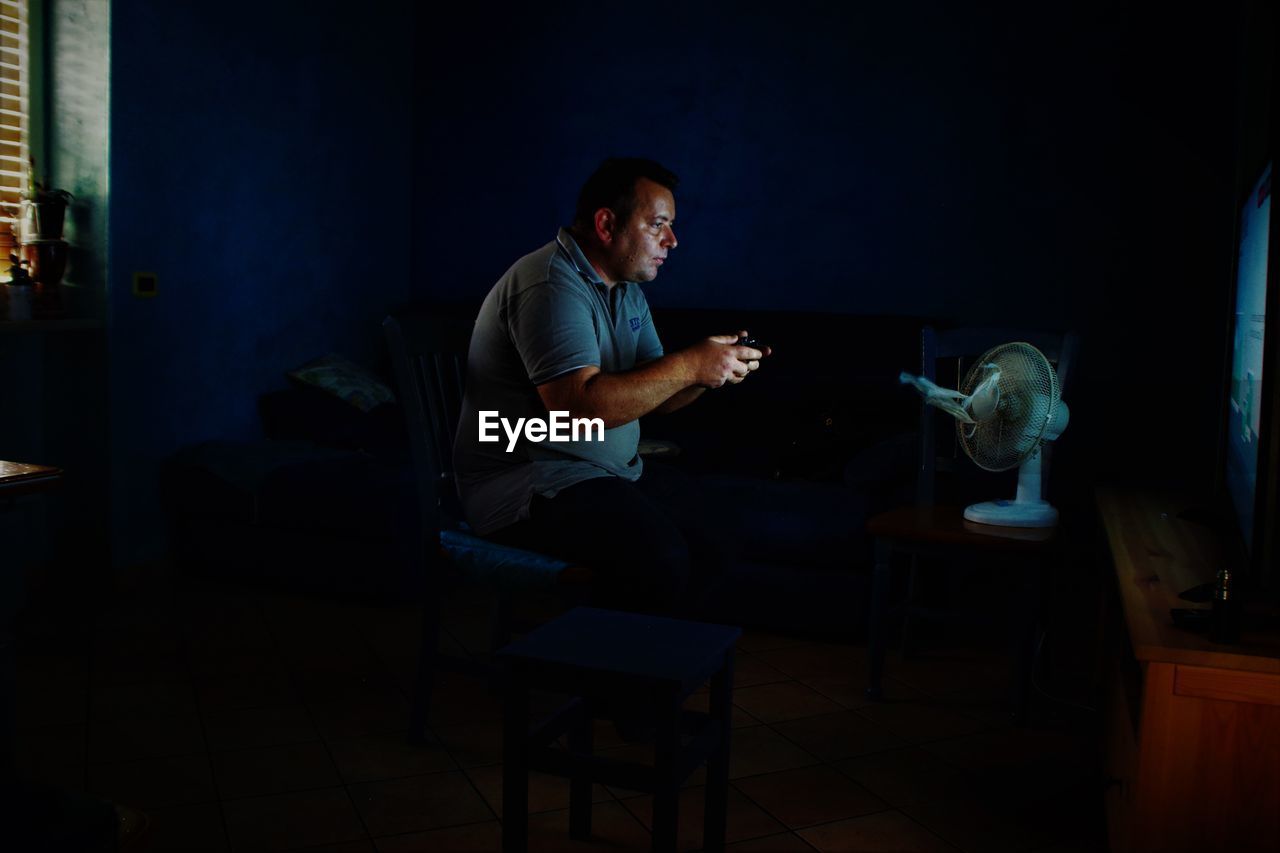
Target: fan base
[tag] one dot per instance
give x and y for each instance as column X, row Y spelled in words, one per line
column 1013, row 513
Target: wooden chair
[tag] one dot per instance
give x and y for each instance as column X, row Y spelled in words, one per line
column 428, row 355
column 930, row 530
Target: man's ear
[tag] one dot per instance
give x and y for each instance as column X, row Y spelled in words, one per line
column 604, row 223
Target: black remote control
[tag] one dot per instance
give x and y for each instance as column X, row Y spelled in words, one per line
column 750, row 341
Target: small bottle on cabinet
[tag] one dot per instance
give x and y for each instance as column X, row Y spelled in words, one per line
column 1226, row 609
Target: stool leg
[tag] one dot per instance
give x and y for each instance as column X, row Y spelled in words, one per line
column 877, row 617
column 581, row 746
column 666, row 796
column 515, row 769
column 717, row 794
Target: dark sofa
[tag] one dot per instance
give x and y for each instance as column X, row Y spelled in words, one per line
column 325, row 501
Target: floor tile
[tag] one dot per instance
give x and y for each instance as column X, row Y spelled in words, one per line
column 50, row 746
column 843, row 734
column 132, row 659
column 743, row 818
column 884, row 832
column 237, row 633
column 786, row 842
column 749, row 670
column 546, row 793
column 919, row 720
column 473, row 838
column 787, row 700
column 238, row 692
column 809, row 795
column 49, row 699
column 388, row 756
column 187, row 829
column 817, row 660
column 462, row 699
column 612, row 828
column 905, row 775
column 948, row 670
column 474, row 744
column 759, row 749
column 69, row 777
column 1017, row 760
column 155, row 782
column 293, row 820
column 210, row 665
column 417, row 803
column 130, row 738
column 971, row 823
column 850, row 691
column 379, row 712
column 258, row 727
column 273, row 770
column 701, row 701
column 144, row 699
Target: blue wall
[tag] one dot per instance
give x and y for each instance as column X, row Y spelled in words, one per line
column 260, row 166
column 915, row 158
column 1069, row 165
column 292, row 169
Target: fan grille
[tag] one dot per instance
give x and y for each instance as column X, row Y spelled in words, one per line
column 1029, row 394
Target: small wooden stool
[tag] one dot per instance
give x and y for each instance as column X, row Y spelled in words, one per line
column 604, row 658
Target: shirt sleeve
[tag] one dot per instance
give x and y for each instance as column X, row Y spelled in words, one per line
column 648, row 346
column 554, row 330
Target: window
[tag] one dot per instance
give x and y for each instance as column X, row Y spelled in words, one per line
column 15, row 116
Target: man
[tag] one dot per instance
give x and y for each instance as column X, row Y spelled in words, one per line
column 567, row 329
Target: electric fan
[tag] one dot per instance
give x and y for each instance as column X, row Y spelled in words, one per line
column 1008, row 405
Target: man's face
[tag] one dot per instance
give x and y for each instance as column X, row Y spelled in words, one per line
column 640, row 245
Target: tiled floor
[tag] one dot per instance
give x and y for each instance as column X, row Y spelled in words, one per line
column 245, row 721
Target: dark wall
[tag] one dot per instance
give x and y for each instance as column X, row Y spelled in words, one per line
column 260, row 166
column 291, row 169
column 1060, row 166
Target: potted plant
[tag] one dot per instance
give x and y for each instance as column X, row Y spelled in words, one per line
column 42, row 212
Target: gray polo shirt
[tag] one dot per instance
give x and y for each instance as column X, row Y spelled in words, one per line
column 548, row 315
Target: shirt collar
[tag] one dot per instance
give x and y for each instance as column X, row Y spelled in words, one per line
column 573, row 252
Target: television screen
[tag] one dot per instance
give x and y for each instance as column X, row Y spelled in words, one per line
column 1245, row 413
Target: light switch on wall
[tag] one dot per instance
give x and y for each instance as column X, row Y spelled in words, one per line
column 145, row 284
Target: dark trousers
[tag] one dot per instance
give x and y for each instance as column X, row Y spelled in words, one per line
column 659, row 545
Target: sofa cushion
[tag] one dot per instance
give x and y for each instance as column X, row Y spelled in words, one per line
column 500, row 565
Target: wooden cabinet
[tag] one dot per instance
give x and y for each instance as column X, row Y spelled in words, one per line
column 1193, row 727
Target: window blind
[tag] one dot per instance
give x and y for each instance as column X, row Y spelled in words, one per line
column 15, row 66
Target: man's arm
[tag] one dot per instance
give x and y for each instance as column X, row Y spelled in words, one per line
column 619, row 398
column 680, row 399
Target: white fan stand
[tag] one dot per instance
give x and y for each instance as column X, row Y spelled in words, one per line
column 1028, row 508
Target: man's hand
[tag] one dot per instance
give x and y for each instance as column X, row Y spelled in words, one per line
column 663, row 385
column 718, row 360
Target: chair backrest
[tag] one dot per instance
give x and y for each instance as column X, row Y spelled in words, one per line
column 428, row 354
column 945, row 357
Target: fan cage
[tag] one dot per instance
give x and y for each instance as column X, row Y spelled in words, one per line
column 1029, row 395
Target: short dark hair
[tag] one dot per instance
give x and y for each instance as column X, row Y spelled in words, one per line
column 613, row 185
